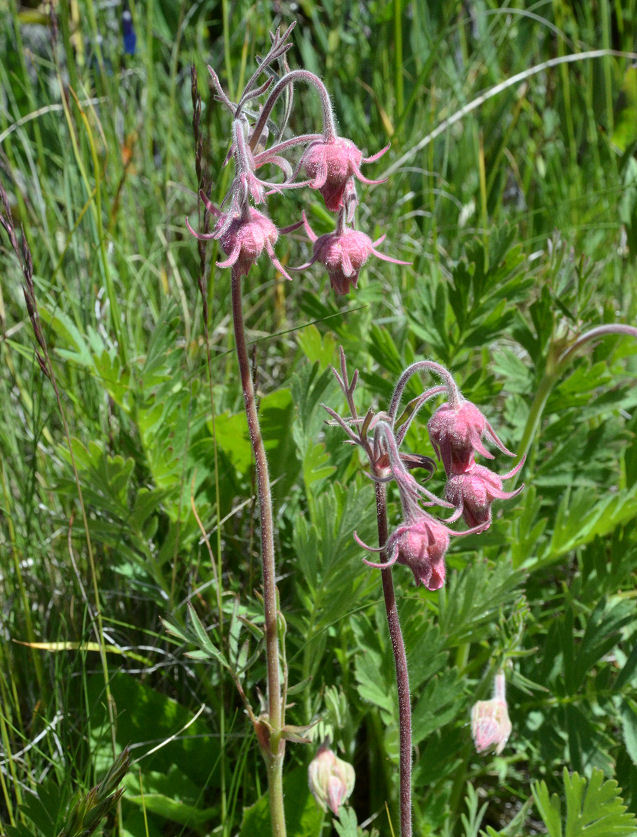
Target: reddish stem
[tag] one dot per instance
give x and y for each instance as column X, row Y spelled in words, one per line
column 273, row 752
column 402, row 674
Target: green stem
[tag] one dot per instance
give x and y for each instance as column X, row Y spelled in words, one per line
column 554, row 372
column 274, row 752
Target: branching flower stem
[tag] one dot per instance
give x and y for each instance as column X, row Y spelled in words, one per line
column 402, row 674
column 273, row 749
column 553, row 373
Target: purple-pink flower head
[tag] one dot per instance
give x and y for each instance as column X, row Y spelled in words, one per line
column 330, row 163
column 456, row 432
column 243, row 238
column 343, row 254
column 473, row 491
column 422, row 546
column 419, row 544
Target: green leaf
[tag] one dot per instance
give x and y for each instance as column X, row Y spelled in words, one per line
column 629, row 728
column 549, row 808
column 143, row 711
column 205, row 649
column 347, row 824
column 578, row 521
column 594, row 808
column 171, row 795
column 43, row 809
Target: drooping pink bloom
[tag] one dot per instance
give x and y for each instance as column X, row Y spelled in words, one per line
column 473, row 491
column 456, row 432
column 330, row 779
column 343, row 254
column 243, row 237
column 329, row 164
column 490, row 723
column 421, row 545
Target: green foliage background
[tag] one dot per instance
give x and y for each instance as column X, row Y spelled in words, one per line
column 520, row 221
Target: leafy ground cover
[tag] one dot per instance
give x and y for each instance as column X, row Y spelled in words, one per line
column 129, row 548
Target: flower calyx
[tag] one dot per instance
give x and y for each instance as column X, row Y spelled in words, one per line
column 243, row 235
column 473, row 491
column 330, row 164
column 421, row 545
column 343, row 253
column 456, row 430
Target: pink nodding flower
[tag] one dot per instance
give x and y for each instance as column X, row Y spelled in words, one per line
column 243, row 236
column 473, row 491
column 330, row 163
column 343, row 254
column 421, row 545
column 456, row 432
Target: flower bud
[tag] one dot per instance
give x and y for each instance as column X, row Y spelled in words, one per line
column 245, row 238
column 244, row 234
column 473, row 491
column 422, row 547
column 329, row 165
column 490, row 724
column 456, row 432
column 343, row 253
column 331, row 779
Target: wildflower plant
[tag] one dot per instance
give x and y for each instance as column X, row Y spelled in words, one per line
column 331, row 165
column 422, row 539
column 522, row 259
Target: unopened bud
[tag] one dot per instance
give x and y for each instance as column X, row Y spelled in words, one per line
column 331, row 779
column 490, row 724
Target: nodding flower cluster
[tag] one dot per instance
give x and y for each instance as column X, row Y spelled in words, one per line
column 330, row 164
column 456, row 430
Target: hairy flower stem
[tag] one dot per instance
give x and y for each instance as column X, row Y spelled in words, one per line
column 273, row 752
column 402, row 674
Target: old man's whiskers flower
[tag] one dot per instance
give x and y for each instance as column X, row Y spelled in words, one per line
column 330, row 779
column 421, row 541
column 343, row 253
column 245, row 231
